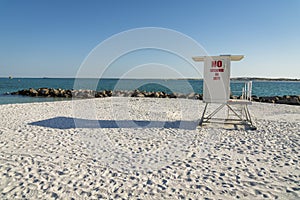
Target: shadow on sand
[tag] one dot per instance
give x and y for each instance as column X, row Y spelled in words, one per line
column 68, row 123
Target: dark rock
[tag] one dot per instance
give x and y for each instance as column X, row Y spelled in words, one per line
column 98, row 94
column 172, row 95
column 61, row 93
column 109, row 93
column 149, row 94
column 15, row 93
column 292, row 100
column 255, row 98
column 51, row 92
column 135, row 93
column 43, row 92
column 267, row 99
column 33, row 92
column 69, row 92
column 156, row 94
column 23, row 92
column 199, row 97
column 286, row 99
column 162, row 95
column 140, row 95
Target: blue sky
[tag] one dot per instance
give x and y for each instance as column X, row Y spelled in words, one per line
column 52, row 38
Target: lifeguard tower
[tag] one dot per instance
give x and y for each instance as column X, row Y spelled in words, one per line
column 216, row 90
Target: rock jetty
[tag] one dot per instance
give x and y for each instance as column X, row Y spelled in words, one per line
column 44, row 92
column 56, row 93
column 286, row 99
column 51, row 92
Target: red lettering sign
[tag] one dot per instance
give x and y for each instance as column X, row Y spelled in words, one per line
column 219, row 63
column 216, row 70
column 214, row 63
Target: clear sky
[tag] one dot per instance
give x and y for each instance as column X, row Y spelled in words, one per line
column 52, row 38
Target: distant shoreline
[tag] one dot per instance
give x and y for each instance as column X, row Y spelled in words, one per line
column 233, row 79
column 263, row 79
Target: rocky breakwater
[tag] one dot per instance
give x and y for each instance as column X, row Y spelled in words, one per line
column 291, row 100
column 286, row 99
column 44, row 92
column 51, row 92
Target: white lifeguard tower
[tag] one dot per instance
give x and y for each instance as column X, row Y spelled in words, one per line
column 216, row 90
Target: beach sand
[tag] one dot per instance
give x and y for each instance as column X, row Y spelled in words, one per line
column 145, row 148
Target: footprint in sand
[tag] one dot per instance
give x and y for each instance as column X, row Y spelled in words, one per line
column 31, row 191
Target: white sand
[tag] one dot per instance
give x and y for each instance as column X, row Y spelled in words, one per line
column 44, row 155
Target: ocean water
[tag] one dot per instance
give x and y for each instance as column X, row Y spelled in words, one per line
column 260, row 88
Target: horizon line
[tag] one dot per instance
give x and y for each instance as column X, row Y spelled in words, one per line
column 138, row 78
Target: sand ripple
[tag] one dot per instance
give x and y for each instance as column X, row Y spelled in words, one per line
column 40, row 162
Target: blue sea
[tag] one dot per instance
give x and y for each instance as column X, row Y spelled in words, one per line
column 260, row 88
